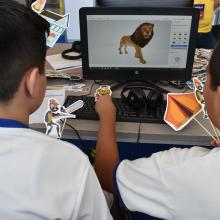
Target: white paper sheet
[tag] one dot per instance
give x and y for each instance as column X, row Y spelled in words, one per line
column 59, row 64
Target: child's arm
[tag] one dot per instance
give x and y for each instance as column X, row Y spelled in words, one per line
column 215, row 143
column 106, row 147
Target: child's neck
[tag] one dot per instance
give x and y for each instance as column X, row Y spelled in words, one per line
column 18, row 113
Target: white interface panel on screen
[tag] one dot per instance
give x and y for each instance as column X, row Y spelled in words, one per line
column 168, row 47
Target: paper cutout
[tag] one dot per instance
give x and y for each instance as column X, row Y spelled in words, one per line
column 201, row 77
column 58, row 23
column 103, row 90
column 56, row 112
column 75, row 106
column 181, row 109
column 38, row 6
column 198, row 91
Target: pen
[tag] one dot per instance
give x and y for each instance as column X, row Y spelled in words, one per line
column 69, row 67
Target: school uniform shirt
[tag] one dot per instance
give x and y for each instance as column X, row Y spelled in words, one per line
column 180, row 184
column 45, row 178
column 206, row 8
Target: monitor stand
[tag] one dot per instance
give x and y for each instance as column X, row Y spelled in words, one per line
column 137, row 83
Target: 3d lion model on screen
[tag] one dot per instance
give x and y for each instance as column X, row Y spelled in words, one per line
column 139, row 39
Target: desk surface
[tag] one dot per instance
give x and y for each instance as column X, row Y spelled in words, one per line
column 192, row 134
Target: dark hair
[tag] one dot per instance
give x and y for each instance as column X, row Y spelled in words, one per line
column 22, row 45
column 138, row 38
column 214, row 67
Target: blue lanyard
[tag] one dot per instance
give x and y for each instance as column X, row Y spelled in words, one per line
column 9, row 123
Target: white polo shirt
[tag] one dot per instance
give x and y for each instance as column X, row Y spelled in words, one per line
column 45, row 178
column 182, row 184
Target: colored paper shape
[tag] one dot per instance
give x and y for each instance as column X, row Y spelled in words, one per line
column 198, row 91
column 181, row 109
column 38, row 6
column 58, row 24
column 103, row 90
column 55, row 113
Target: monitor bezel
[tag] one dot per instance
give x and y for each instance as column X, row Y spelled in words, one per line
column 145, row 3
column 138, row 73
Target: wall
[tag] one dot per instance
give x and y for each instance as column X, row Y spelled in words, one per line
column 72, row 7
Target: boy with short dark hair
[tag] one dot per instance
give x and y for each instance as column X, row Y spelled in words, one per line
column 41, row 177
column 178, row 184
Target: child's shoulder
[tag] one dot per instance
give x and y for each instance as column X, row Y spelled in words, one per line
column 53, row 147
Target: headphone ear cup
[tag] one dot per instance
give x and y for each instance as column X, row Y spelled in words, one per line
column 136, row 98
column 76, row 47
column 154, row 98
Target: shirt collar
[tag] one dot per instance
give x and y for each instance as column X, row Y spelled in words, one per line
column 9, row 123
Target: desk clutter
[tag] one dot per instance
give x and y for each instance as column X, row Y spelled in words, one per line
column 60, row 64
column 201, row 61
column 70, row 81
column 178, row 111
column 124, row 112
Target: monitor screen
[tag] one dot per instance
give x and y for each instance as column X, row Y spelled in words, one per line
column 148, row 3
column 138, row 43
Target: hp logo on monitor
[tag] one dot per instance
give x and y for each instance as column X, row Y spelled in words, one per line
column 136, row 72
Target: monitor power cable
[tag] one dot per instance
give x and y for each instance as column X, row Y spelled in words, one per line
column 139, row 135
column 88, row 151
column 77, row 134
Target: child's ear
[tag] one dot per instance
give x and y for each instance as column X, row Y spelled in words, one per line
column 31, row 81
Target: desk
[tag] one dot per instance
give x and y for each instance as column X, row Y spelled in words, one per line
column 192, row 134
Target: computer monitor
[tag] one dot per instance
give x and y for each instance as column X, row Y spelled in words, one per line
column 111, row 50
column 148, row 3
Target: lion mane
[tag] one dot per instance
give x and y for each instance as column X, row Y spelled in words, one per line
column 138, row 38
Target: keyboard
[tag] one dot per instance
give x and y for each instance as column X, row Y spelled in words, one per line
column 124, row 112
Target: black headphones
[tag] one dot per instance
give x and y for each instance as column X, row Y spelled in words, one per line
column 137, row 98
column 76, row 47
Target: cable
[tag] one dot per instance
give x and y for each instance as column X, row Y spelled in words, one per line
column 103, row 82
column 77, row 134
column 185, row 90
column 139, row 134
column 177, row 84
column 91, row 87
column 88, row 151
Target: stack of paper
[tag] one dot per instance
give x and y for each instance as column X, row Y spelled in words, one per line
column 59, row 63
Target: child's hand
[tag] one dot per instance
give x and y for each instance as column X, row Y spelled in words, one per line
column 105, row 107
column 215, row 143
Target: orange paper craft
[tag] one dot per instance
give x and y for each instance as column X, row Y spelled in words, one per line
column 181, row 109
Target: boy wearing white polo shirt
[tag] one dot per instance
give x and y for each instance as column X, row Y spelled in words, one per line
column 41, row 177
column 181, row 184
